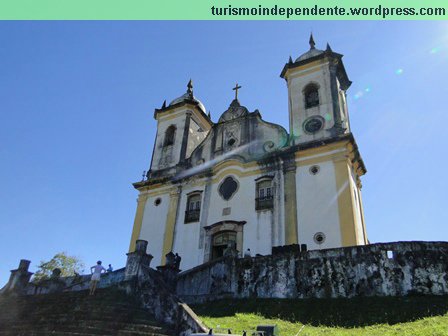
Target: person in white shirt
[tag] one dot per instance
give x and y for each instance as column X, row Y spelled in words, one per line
column 96, row 275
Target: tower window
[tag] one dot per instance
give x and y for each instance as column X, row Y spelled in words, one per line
column 265, row 195
column 170, row 134
column 311, row 93
column 193, row 212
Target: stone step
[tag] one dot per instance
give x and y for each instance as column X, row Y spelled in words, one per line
column 142, row 325
column 56, row 309
column 88, row 300
column 105, row 296
column 58, row 323
column 44, row 333
column 134, row 325
column 34, row 332
column 150, row 326
column 83, row 330
column 109, row 313
column 75, row 311
column 142, row 333
column 74, row 319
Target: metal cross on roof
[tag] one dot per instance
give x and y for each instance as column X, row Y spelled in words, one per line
column 236, row 90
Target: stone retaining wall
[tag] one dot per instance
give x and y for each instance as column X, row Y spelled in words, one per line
column 384, row 269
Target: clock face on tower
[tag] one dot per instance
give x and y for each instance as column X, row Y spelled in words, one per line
column 313, row 124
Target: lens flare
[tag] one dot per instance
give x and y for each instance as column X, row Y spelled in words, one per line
column 359, row 94
column 362, row 93
column 399, row 71
column 435, row 50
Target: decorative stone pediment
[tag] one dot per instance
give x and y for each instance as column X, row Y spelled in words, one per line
column 242, row 135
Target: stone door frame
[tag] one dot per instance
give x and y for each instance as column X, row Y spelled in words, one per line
column 222, row 226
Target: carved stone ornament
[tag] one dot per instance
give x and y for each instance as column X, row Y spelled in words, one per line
column 231, row 136
column 268, row 146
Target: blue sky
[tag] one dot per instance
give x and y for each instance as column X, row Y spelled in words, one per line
column 76, row 125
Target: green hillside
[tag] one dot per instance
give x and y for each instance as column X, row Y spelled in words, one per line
column 419, row 315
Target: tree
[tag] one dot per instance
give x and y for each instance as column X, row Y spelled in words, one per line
column 67, row 264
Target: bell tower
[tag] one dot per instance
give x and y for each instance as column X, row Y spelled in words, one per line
column 317, row 84
column 181, row 126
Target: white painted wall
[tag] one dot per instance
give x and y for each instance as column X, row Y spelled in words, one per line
column 317, row 211
column 317, row 206
column 153, row 226
column 257, row 232
column 186, row 235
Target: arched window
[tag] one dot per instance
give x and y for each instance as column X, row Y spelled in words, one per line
column 170, row 134
column 265, row 189
column 193, row 212
column 311, row 93
column 265, row 194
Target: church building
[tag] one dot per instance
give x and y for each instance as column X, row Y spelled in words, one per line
column 249, row 182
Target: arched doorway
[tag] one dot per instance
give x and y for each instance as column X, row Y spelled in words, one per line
column 220, row 242
column 218, row 235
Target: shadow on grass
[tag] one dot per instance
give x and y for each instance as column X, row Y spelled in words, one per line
column 354, row 312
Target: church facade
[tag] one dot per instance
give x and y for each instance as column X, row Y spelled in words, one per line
column 249, row 183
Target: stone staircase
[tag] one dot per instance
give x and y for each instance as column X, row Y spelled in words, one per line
column 108, row 312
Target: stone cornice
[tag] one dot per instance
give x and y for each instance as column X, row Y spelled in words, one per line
column 284, row 154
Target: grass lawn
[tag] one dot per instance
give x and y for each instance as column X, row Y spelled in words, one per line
column 418, row 315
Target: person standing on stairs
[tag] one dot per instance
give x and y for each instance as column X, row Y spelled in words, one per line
column 96, row 275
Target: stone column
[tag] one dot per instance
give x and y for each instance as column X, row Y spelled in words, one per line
column 204, row 217
column 141, row 202
column 168, row 239
column 137, row 259
column 289, row 171
column 345, row 202
column 184, row 144
column 338, row 127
